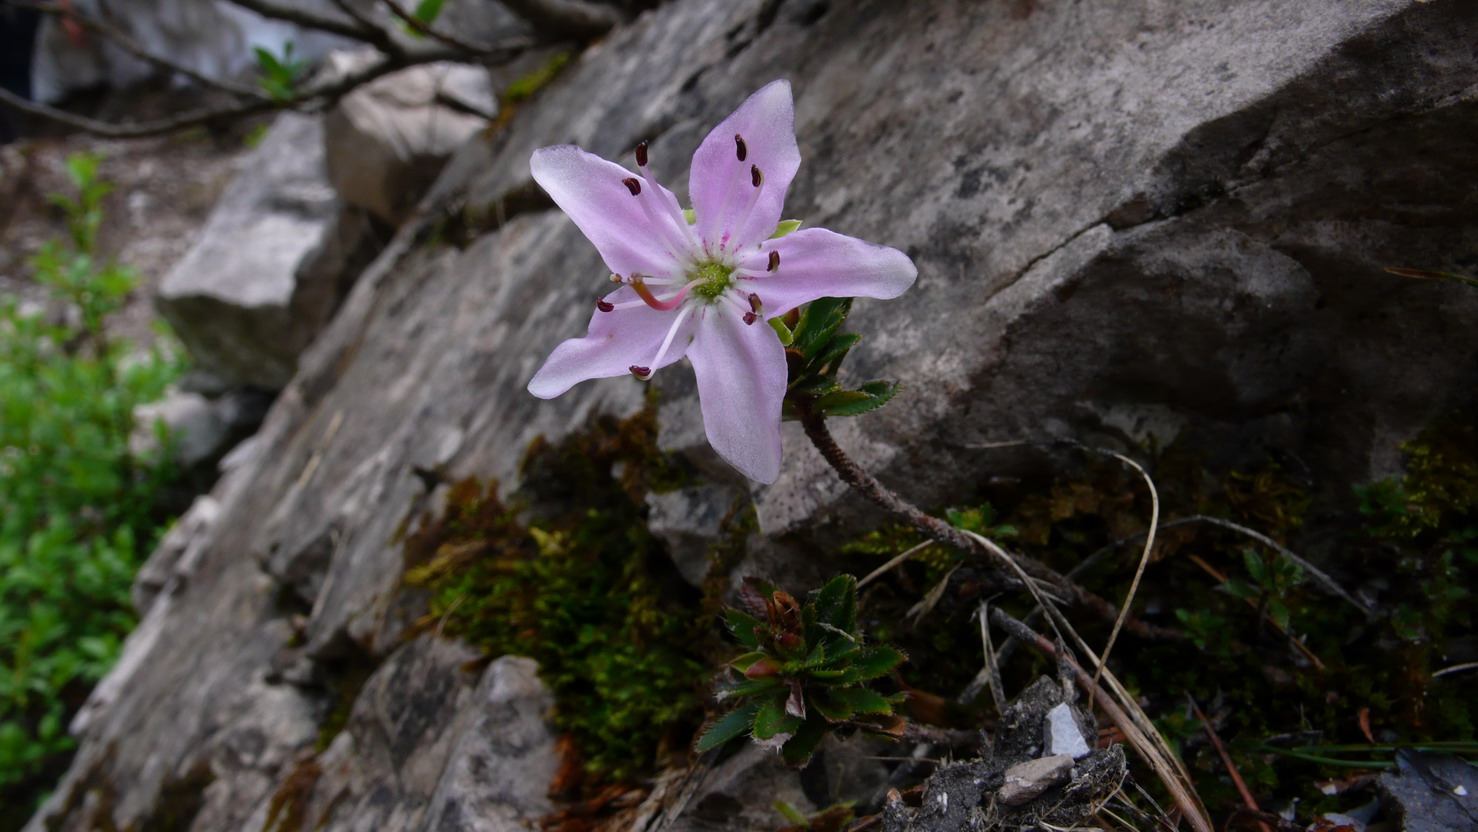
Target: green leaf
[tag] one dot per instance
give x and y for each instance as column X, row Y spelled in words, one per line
column 731, row 725
column 771, row 718
column 869, row 397
column 864, row 701
column 1241, row 589
column 783, row 228
column 428, row 10
column 835, row 708
column 836, row 604
column 742, row 663
column 745, row 627
column 799, row 748
column 836, row 351
column 751, row 687
column 821, row 319
column 872, row 662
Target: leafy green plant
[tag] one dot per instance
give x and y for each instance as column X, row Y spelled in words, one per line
column 1272, row 580
column 79, row 504
column 814, row 352
column 805, row 673
column 279, row 75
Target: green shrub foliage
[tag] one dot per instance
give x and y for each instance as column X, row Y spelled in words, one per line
column 79, row 506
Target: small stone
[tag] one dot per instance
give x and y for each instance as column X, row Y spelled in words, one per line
column 1025, row 781
column 1062, row 733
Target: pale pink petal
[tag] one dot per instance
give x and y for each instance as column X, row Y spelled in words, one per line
column 817, row 263
column 590, row 190
column 741, row 380
column 720, row 184
column 617, row 340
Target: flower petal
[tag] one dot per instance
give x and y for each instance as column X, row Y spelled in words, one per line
column 817, row 263
column 741, row 380
column 591, row 191
column 617, row 340
column 720, row 184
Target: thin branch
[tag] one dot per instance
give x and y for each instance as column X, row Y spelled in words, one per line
column 371, row 32
column 430, row 31
column 1226, row 760
column 292, row 14
column 869, row 487
column 313, row 98
column 576, row 19
column 133, row 48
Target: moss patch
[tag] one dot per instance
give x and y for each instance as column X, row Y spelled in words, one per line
column 568, row 575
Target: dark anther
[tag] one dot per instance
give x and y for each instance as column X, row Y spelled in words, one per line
column 749, row 317
column 641, row 155
column 740, row 147
column 604, row 305
column 640, row 372
column 755, row 176
column 774, row 261
column 632, row 184
column 754, row 303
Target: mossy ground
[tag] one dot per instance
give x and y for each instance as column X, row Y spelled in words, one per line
column 1411, row 549
column 568, row 574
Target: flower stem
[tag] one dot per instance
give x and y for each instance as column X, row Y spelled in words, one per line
column 939, row 530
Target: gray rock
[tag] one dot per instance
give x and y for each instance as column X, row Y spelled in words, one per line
column 1026, row 781
column 1062, row 734
column 196, row 429
column 1128, row 218
column 689, row 520
column 270, row 265
column 386, row 142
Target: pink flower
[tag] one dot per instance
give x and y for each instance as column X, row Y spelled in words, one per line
column 698, row 288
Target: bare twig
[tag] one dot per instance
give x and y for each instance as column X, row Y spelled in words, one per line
column 293, row 14
column 567, row 18
column 1226, row 760
column 430, row 31
column 312, row 98
column 132, row 47
column 370, row 31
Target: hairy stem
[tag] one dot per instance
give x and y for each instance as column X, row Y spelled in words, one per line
column 868, row 486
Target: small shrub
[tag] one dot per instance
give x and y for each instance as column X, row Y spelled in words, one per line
column 80, row 507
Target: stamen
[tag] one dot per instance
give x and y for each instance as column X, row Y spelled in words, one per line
column 632, row 184
column 754, row 303
column 740, row 147
column 679, row 235
column 774, row 261
column 642, row 373
column 604, row 305
column 758, row 179
column 671, row 331
column 749, row 318
column 650, row 299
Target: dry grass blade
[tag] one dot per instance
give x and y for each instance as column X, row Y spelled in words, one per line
column 1121, row 709
column 1144, row 559
column 931, row 599
column 989, row 675
column 1320, row 576
column 890, row 565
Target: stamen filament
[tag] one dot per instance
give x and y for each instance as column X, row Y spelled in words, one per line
column 674, row 211
column 758, row 180
column 671, row 331
column 660, row 305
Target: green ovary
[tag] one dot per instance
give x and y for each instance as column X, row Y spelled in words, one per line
column 716, row 278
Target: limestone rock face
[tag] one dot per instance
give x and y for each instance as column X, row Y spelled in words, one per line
column 1129, row 218
column 270, row 265
column 387, row 141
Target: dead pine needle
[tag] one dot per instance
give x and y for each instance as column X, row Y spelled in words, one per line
column 1144, row 559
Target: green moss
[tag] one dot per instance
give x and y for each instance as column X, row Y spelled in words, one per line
column 572, row 578
column 525, row 86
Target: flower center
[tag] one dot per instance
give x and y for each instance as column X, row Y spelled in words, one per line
column 716, row 279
